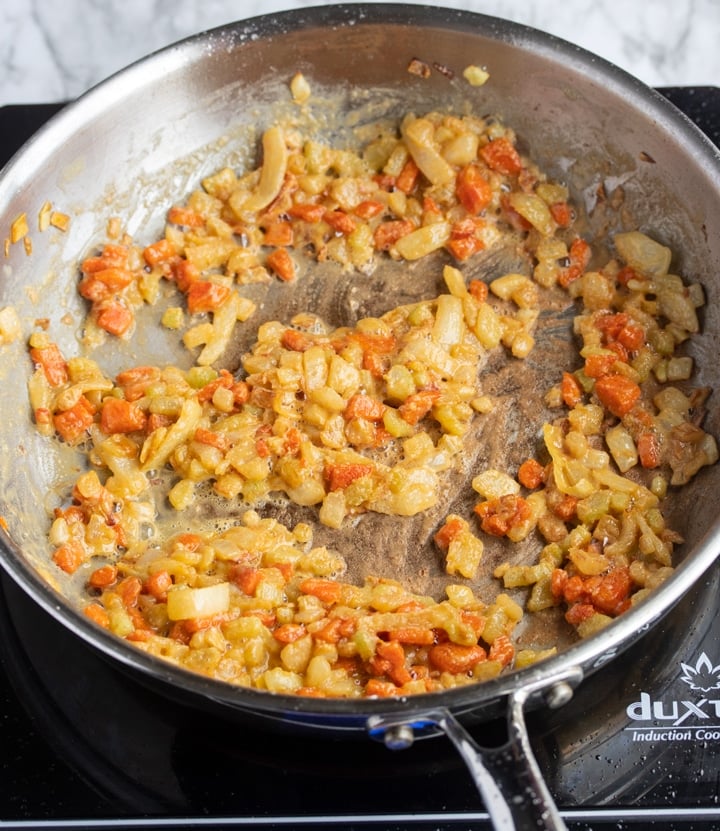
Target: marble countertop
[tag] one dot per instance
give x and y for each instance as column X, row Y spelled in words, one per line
column 55, row 51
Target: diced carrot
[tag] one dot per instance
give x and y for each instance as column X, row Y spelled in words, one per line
column 368, row 209
column 570, row 390
column 112, row 256
column 339, row 476
column 120, row 416
column 224, row 380
column 599, row 365
column 292, row 442
column 473, row 189
column 648, row 448
column 448, row 532
column 498, row 516
column 626, row 274
column 326, row 590
column 501, row 650
column 364, row 406
column 306, row 211
column 416, row 406
column 392, row 655
column 246, row 578
column 296, row 341
column 289, row 632
column 462, row 248
column 188, row 540
column 500, row 155
column 186, row 217
column 134, row 382
column 375, row 363
column 632, row 337
column 340, row 221
column 157, row 585
column 388, row 233
column 282, row 264
column 561, row 213
column 71, row 424
column 610, row 595
column 408, row 176
column 579, row 256
column 185, row 274
column 531, row 474
column 579, row 612
column 69, row 557
column 479, row 290
column 212, row 438
column 416, row 635
column 566, row 507
column 455, row 657
column 114, row 317
column 374, row 341
column 97, row 614
column 617, row 393
column 129, row 590
column 206, row 296
column 277, row 233
column 53, row 365
column 103, row 577
column 558, row 579
column 158, row 252
column 104, row 283
column 378, row 688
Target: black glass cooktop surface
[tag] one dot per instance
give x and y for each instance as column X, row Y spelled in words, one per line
column 85, row 745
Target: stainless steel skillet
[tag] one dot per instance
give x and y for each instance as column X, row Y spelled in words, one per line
column 151, row 132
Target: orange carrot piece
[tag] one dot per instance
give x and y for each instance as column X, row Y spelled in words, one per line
column 416, row 406
column 448, row 532
column 341, row 475
column 377, row 688
column 277, row 233
column 561, row 213
column 53, row 365
column 206, row 296
column 531, row 474
column 617, row 393
column 388, row 233
column 103, row 577
column 71, row 424
column 500, row 155
column 306, row 211
column 364, row 406
column 408, row 176
column 282, row 264
column 326, row 590
column 368, row 209
column 184, row 216
column 416, row 635
column 134, row 382
column 455, row 657
column 97, row 614
column 158, row 252
column 157, row 585
column 114, row 317
column 501, row 650
column 473, row 189
column 289, row 632
column 69, row 557
column 120, row 416
column 212, row 438
column 340, row 222
column 296, row 341
column 185, row 274
column 479, row 290
column 570, row 390
column 648, row 448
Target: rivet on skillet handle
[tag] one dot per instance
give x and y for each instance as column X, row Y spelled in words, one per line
column 507, row 777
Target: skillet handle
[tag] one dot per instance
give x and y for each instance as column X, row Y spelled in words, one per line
column 508, row 777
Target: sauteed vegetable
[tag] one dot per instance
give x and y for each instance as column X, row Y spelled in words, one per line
column 369, row 418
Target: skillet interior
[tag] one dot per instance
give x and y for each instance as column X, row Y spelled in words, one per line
column 148, row 135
